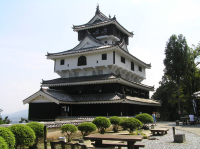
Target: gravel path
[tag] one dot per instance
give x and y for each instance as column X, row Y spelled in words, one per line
column 166, row 141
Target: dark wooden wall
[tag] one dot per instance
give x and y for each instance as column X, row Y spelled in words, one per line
column 112, row 109
column 111, row 30
column 105, row 88
column 43, row 111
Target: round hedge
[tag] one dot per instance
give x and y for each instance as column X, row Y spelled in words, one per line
column 102, row 123
column 8, row 137
column 86, row 128
column 3, row 144
column 69, row 129
column 145, row 118
column 24, row 135
column 38, row 128
column 122, row 122
column 131, row 124
column 115, row 120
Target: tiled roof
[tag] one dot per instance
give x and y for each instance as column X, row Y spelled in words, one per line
column 105, row 21
column 58, row 94
column 142, row 100
column 74, row 50
column 64, row 97
column 90, row 78
column 97, row 97
column 81, row 79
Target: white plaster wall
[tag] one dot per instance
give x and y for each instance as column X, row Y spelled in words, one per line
column 40, row 100
column 91, row 61
column 127, row 64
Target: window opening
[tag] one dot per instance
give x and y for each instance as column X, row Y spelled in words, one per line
column 82, row 61
column 104, row 56
column 132, row 66
column 122, row 59
column 62, row 62
column 140, row 68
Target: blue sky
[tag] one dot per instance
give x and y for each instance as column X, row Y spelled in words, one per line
column 31, row 28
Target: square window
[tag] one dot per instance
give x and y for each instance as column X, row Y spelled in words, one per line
column 122, row 59
column 62, row 62
column 104, row 56
column 140, row 68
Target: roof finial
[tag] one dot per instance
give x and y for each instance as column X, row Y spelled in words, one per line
column 114, row 18
column 109, row 16
column 97, row 11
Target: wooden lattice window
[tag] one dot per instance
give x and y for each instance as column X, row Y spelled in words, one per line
column 140, row 68
column 62, row 62
column 132, row 66
column 122, row 59
column 82, row 61
column 104, row 56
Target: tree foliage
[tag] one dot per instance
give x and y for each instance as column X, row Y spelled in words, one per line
column 145, row 118
column 102, row 123
column 115, row 120
column 176, row 60
column 131, row 124
column 69, row 129
column 86, row 128
column 3, row 144
column 38, row 128
column 8, row 137
column 24, row 135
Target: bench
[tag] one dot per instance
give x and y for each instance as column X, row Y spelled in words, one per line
column 119, row 145
column 64, row 145
column 159, row 130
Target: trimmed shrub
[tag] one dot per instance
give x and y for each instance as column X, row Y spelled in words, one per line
column 145, row 119
column 115, row 121
column 122, row 122
column 131, row 124
column 102, row 123
column 24, row 135
column 69, row 129
column 86, row 128
column 38, row 128
column 8, row 137
column 3, row 144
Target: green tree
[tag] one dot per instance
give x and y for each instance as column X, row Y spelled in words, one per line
column 8, row 137
column 3, row 144
column 38, row 128
column 86, row 128
column 115, row 121
column 102, row 123
column 131, row 124
column 176, row 61
column 69, row 129
column 24, row 135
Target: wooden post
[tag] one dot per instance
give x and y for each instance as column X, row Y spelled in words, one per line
column 45, row 137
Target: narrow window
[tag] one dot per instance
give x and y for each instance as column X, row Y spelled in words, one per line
column 122, row 59
column 104, row 31
column 100, row 72
column 140, row 68
column 82, row 61
column 105, row 41
column 104, row 56
column 62, row 62
column 132, row 66
column 97, row 61
column 68, row 65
